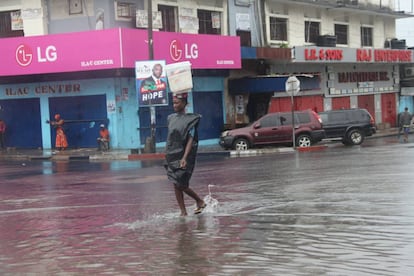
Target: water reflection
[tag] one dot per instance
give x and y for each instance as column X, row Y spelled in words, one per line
column 345, row 212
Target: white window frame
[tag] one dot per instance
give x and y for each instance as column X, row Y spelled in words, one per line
column 347, row 35
column 308, row 19
column 131, row 7
column 372, row 34
column 274, row 15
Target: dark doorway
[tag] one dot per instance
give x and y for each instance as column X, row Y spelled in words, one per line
column 82, row 116
column 23, row 126
column 258, row 105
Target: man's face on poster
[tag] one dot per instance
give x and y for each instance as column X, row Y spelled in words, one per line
column 157, row 71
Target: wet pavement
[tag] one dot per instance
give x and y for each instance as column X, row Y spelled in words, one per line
column 340, row 211
column 137, row 154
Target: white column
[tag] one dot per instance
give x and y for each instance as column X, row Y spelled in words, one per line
column 34, row 17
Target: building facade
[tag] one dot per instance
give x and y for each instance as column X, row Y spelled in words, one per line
column 77, row 58
column 83, row 67
column 344, row 53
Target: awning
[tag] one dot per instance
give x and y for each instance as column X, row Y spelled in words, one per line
column 270, row 84
column 265, row 84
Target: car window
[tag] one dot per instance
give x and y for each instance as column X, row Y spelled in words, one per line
column 337, row 117
column 285, row 120
column 303, row 118
column 269, row 121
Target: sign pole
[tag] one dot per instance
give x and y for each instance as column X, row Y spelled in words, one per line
column 292, row 86
column 292, row 106
column 150, row 143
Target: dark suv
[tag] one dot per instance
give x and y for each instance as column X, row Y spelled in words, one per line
column 276, row 128
column 351, row 126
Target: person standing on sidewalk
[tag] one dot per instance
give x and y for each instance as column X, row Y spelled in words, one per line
column 181, row 151
column 405, row 123
column 61, row 142
column 2, row 134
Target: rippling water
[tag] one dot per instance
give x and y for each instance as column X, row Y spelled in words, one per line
column 346, row 211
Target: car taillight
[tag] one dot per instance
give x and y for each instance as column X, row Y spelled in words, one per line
column 371, row 120
column 317, row 117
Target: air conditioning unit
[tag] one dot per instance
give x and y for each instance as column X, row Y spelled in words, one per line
column 409, row 71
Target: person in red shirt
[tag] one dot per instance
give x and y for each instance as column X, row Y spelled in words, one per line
column 103, row 139
column 2, row 133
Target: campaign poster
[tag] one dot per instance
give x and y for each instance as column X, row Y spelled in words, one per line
column 151, row 83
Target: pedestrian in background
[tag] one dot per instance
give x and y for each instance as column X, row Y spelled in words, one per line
column 2, row 134
column 181, row 151
column 405, row 123
column 61, row 142
column 103, row 139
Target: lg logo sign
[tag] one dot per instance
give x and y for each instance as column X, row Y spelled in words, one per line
column 25, row 55
column 177, row 51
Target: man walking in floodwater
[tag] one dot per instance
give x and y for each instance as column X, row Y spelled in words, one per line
column 181, row 151
column 405, row 123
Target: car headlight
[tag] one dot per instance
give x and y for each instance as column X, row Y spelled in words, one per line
column 224, row 133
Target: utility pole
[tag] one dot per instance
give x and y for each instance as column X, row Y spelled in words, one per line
column 150, row 142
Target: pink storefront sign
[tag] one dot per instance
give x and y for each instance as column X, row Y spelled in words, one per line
column 202, row 51
column 112, row 49
column 69, row 52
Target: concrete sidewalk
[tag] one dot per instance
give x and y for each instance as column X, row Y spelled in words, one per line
column 115, row 154
column 93, row 154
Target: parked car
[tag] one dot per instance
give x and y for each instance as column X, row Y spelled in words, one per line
column 276, row 128
column 351, row 126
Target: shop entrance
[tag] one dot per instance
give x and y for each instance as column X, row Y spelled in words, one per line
column 284, row 104
column 82, row 116
column 389, row 112
column 341, row 103
column 258, row 105
column 367, row 102
column 23, row 126
column 210, row 106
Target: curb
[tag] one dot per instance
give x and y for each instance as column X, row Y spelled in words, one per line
column 146, row 156
column 312, row 148
column 254, row 152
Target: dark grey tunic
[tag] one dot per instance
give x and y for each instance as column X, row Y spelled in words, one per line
column 179, row 126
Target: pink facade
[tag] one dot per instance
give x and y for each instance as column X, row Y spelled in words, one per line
column 113, row 48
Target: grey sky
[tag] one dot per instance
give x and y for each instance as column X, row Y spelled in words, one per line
column 404, row 27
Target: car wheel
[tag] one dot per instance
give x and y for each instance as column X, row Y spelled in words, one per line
column 355, row 137
column 241, row 144
column 303, row 140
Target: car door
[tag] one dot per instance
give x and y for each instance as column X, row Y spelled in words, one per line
column 285, row 128
column 335, row 125
column 267, row 129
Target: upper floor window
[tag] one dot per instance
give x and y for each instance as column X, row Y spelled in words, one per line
column 209, row 22
column 366, row 36
column 124, row 11
column 278, row 28
column 341, row 33
column 312, row 31
column 11, row 24
column 168, row 15
column 245, row 38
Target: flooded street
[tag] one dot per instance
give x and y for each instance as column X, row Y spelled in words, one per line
column 339, row 211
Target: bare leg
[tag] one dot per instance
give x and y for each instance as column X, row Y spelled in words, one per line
column 180, row 199
column 192, row 194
